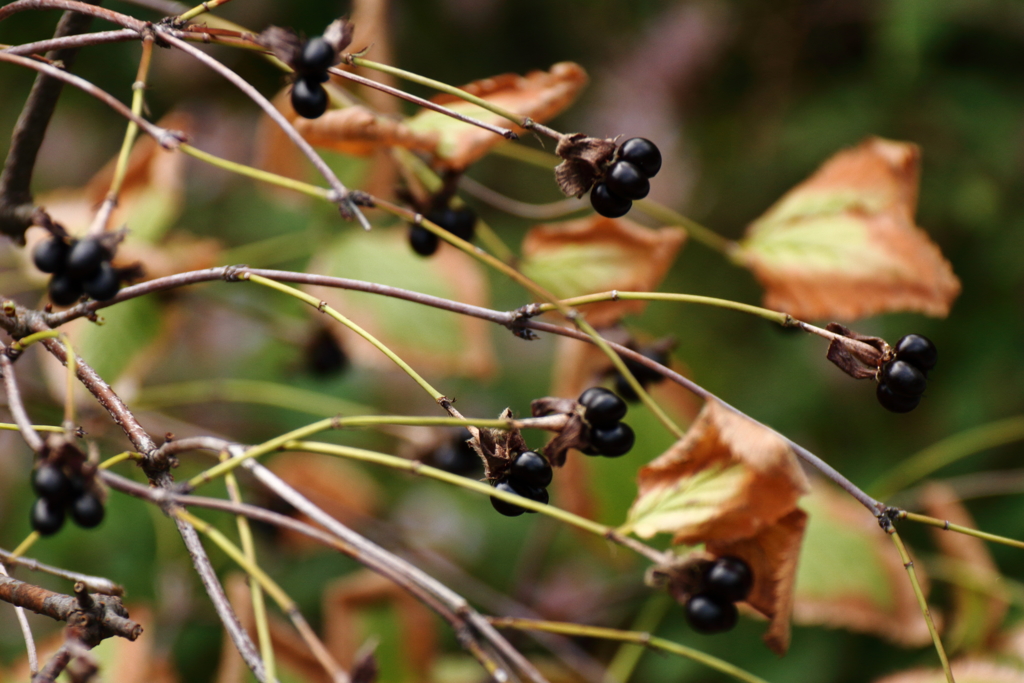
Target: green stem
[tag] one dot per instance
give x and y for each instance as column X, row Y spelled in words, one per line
column 527, row 155
column 7, row 426
column 709, row 238
column 921, row 601
column 949, row 526
column 638, row 637
column 948, row 451
column 542, row 293
column 188, row 16
column 249, row 171
column 523, row 121
column 324, row 308
column 282, row 599
column 27, row 544
column 25, row 342
column 418, row 468
column 138, row 98
column 768, row 314
column 625, row 661
column 634, row 383
column 119, row 458
column 259, row 606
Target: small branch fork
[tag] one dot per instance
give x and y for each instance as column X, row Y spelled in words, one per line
column 90, row 617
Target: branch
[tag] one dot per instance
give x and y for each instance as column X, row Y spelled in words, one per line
column 15, row 405
column 96, row 584
column 91, row 618
column 86, row 9
column 512, row 320
column 73, row 42
column 16, row 205
column 342, row 196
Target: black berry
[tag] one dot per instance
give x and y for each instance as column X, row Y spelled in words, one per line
column 708, row 614
column 51, row 255
column 87, row 510
column 460, row 222
column 729, row 579
column 104, row 283
column 903, row 378
column 607, row 204
column 456, row 455
column 531, row 468
column 917, row 350
column 47, row 516
column 309, row 99
column 602, row 406
column 642, row 373
column 895, row 402
column 643, row 153
column 324, row 356
column 626, row 180
column 86, row 257
column 507, row 509
column 423, row 241
column 536, row 493
column 64, row 289
column 612, row 440
column 317, row 56
column 50, row 482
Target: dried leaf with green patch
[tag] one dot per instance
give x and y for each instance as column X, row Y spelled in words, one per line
column 843, row 244
column 598, row 254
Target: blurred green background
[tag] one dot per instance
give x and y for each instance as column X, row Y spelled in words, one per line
column 745, row 99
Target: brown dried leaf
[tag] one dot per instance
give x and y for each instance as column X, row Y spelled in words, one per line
column 598, row 254
column 726, row 480
column 843, row 244
column 539, row 95
column 772, row 554
column 359, row 131
column 851, row 575
column 976, row 613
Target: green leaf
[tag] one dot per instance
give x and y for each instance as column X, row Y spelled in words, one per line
column 689, row 502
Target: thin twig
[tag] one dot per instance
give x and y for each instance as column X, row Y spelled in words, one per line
column 72, row 42
column 16, row 203
column 946, row 525
column 345, row 204
column 15, row 405
column 26, row 632
column 166, row 138
column 104, row 616
column 508, row 319
column 922, row 602
column 74, row 6
column 96, row 584
column 540, row 212
column 506, row 133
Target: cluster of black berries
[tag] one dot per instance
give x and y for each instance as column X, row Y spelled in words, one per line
column 59, row 493
column 902, row 381
column 643, row 374
column 81, row 267
column 460, row 222
column 309, row 99
column 603, row 411
column 724, row 582
column 528, row 477
column 637, row 160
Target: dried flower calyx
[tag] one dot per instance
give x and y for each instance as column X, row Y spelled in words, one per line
column 310, row 59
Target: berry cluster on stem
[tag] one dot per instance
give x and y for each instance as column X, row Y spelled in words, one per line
column 636, row 161
column 902, row 380
column 59, row 493
column 528, row 477
column 603, row 411
column 309, row 99
column 724, row 582
column 78, row 267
